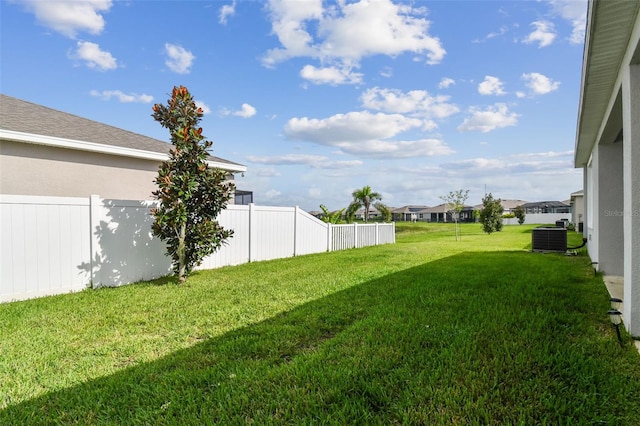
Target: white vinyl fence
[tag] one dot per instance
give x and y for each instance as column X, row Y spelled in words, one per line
column 538, row 219
column 54, row 245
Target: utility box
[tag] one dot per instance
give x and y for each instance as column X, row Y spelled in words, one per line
column 549, row 239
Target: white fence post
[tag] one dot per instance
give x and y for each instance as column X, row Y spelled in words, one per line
column 296, row 212
column 252, row 231
column 95, row 214
column 377, row 234
column 329, row 237
column 355, row 235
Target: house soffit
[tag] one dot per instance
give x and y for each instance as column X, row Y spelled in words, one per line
column 609, row 29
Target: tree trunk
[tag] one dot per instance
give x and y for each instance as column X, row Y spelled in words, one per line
column 181, row 253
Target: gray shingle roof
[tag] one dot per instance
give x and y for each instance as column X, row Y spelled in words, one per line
column 22, row 116
column 544, row 204
column 409, row 209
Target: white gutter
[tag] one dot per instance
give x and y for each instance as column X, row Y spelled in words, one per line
column 102, row 148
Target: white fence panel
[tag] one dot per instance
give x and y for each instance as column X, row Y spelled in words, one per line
column 343, row 237
column 45, row 241
column 361, row 235
column 53, row 245
column 272, row 232
column 366, row 235
column 387, row 233
column 311, row 234
column 236, row 250
column 539, row 219
column 124, row 249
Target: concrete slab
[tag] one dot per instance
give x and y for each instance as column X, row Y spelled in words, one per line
column 615, row 286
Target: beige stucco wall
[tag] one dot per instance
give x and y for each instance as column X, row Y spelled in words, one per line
column 29, row 169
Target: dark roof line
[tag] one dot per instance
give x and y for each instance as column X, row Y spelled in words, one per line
column 22, row 116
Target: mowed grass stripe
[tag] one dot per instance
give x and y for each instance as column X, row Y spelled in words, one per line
column 426, row 331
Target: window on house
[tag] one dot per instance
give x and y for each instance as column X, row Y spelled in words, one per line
column 243, row 197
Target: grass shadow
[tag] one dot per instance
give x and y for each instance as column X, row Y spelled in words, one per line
column 475, row 338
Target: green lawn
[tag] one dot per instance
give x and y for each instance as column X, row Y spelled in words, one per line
column 425, row 331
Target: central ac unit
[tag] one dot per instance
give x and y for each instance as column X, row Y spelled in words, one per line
column 549, row 239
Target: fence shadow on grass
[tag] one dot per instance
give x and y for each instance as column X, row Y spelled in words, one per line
column 490, row 338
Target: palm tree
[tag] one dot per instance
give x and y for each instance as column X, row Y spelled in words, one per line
column 363, row 198
column 331, row 217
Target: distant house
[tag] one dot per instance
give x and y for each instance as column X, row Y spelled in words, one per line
column 608, row 146
column 510, row 205
column 442, row 213
column 48, row 152
column 407, row 213
column 546, row 207
column 373, row 213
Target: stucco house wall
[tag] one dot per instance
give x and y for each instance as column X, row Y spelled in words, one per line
column 45, row 170
column 608, row 146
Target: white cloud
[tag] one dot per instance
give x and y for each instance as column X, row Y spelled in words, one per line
column 315, row 193
column 226, row 11
column 314, row 161
column 574, row 12
column 414, row 102
column 363, row 133
column 246, row 111
column 348, row 32
column 353, row 126
column 540, row 84
column 494, row 34
column 122, row 97
column 500, row 32
column 69, row 17
column 288, row 23
column 491, row 86
column 330, row 75
column 548, row 154
column 397, row 149
column 93, row 57
column 494, row 117
column 446, row 82
column 489, row 166
column 179, row 60
column 271, row 194
column 476, row 164
column 544, row 33
column 379, row 27
column 265, row 172
column 205, row 108
column 386, row 72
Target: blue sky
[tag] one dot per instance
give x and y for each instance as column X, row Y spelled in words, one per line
column 415, row 99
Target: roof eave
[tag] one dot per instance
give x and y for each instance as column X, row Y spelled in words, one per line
column 581, row 144
column 611, row 28
column 12, row 135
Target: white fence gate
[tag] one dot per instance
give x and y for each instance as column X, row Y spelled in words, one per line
column 53, row 245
